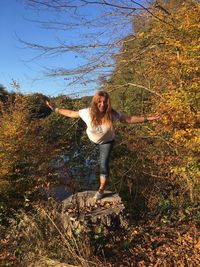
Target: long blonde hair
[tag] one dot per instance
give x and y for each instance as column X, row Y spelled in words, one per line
column 95, row 114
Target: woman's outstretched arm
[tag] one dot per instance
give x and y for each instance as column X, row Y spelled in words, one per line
column 65, row 112
column 137, row 119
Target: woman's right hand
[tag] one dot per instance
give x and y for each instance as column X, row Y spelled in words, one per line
column 66, row 112
column 50, row 105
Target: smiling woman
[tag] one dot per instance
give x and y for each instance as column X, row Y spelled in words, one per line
column 101, row 111
column 99, row 118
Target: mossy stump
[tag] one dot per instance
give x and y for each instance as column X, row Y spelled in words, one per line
column 81, row 212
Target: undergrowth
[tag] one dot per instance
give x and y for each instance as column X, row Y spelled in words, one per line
column 38, row 239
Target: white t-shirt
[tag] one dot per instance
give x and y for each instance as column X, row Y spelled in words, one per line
column 101, row 133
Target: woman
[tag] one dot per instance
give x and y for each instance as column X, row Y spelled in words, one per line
column 99, row 118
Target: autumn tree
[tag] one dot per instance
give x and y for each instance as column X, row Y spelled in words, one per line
column 157, row 71
column 34, row 148
column 174, row 74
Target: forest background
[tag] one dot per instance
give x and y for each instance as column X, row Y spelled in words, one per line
column 154, row 167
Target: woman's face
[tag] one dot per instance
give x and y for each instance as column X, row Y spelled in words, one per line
column 102, row 104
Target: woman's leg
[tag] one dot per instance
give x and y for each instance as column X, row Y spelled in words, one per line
column 105, row 151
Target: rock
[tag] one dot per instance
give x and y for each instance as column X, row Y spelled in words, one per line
column 82, row 212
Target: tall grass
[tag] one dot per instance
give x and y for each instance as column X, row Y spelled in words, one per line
column 39, row 239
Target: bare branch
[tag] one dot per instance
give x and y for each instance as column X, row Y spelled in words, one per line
column 138, row 86
column 110, row 5
column 96, row 38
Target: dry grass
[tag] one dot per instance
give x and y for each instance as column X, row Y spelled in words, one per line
column 39, row 239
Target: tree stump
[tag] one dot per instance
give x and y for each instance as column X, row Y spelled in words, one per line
column 82, row 212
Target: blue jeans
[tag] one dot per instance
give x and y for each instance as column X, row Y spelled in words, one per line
column 104, row 155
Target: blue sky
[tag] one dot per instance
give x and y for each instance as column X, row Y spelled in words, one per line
column 22, row 64
column 17, row 60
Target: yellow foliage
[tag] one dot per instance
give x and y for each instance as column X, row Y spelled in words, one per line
column 171, row 66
